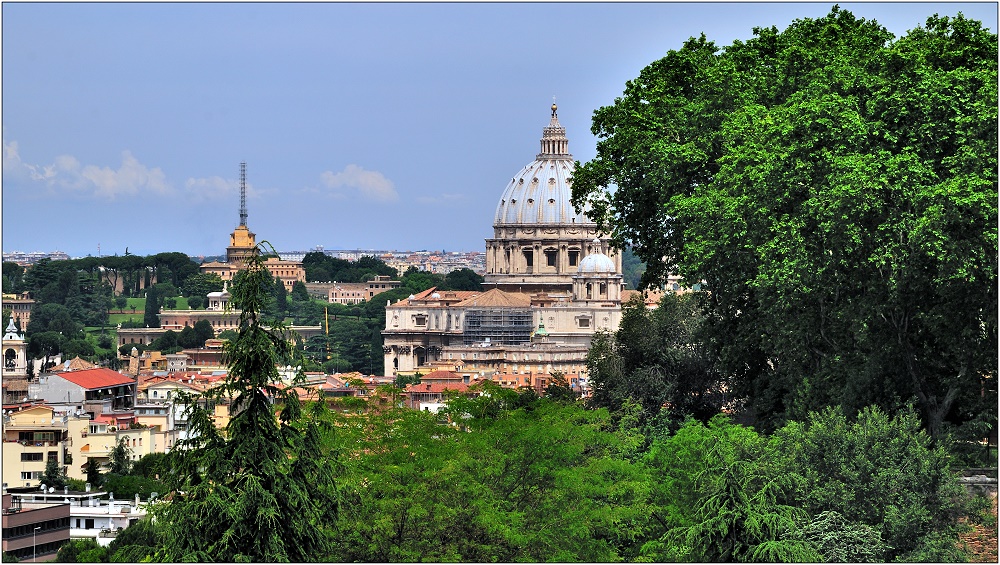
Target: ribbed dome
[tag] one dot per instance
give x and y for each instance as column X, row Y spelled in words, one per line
column 540, row 193
column 597, row 263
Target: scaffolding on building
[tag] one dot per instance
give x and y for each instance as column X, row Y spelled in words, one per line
column 497, row 326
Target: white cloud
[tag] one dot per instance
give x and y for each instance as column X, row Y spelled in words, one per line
column 212, row 187
column 130, row 178
column 444, row 198
column 66, row 172
column 370, row 185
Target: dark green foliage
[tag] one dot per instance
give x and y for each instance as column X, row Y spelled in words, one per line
column 12, row 276
column 203, row 330
column 186, row 338
column 168, row 340
column 135, row 544
column 280, row 304
column 150, row 465
column 152, row 308
column 174, row 267
column 463, row 279
column 657, row 359
column 8, row 558
column 54, row 318
column 93, row 471
column 166, row 290
column 836, row 191
column 228, row 334
column 196, row 302
column 320, row 267
column 879, row 471
column 262, row 494
column 120, row 458
column 201, row 284
column 126, row 487
column 72, row 551
column 722, row 498
column 53, row 476
column 299, row 291
column 632, row 269
column 104, row 342
column 44, row 344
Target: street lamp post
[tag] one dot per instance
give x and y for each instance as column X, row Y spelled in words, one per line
column 33, row 532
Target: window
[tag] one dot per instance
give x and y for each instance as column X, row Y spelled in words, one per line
column 529, row 257
column 30, row 475
column 31, row 457
column 550, row 257
column 584, row 322
column 604, row 289
column 574, row 256
column 53, row 456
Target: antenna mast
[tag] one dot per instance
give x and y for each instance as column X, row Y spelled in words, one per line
column 243, row 193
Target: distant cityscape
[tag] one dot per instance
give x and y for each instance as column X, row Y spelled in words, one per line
column 438, row 261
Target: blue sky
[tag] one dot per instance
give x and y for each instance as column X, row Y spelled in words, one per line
column 372, row 126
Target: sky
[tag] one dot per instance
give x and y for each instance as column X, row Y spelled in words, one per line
column 363, row 126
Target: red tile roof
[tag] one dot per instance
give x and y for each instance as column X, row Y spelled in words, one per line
column 96, row 378
column 441, row 375
column 436, row 387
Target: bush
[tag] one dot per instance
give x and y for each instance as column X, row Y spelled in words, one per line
column 72, row 550
column 127, row 486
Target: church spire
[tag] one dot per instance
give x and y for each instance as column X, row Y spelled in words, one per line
column 554, row 142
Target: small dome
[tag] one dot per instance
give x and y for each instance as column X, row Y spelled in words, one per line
column 597, row 263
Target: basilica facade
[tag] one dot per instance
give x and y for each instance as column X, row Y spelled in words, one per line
column 551, row 282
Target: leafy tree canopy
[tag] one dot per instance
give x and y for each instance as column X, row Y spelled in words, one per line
column 835, row 189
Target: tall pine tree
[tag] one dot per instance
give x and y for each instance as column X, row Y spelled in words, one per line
column 258, row 491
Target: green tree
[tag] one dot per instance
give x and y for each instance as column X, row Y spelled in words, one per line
column 840, row 541
column 151, row 317
column 300, row 292
column 879, row 471
column 93, row 471
column 201, row 284
column 658, row 359
column 720, row 498
column 137, row 543
column 836, row 192
column 187, row 338
column 53, row 476
column 44, row 344
column 13, row 274
column 120, row 458
column 280, row 294
column 259, row 492
column 54, row 318
column 204, row 332
column 463, row 279
column 169, row 339
column 71, row 551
